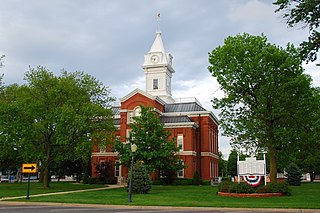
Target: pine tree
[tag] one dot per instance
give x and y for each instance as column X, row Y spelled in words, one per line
column 141, row 180
column 294, row 175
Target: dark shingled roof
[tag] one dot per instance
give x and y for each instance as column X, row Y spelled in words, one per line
column 175, row 119
column 184, row 107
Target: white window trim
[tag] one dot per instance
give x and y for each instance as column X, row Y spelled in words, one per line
column 180, row 136
column 130, row 115
column 137, row 111
column 181, row 171
column 119, row 168
column 155, row 86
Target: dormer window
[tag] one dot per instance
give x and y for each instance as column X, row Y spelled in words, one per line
column 155, row 83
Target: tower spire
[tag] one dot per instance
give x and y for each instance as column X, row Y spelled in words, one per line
column 158, row 23
column 158, row 68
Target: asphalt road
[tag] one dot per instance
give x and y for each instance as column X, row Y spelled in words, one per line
column 63, row 208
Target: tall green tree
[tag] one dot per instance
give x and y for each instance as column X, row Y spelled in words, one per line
column 222, row 165
column 10, row 152
column 264, row 88
column 307, row 156
column 307, row 14
column 155, row 149
column 232, row 163
column 54, row 118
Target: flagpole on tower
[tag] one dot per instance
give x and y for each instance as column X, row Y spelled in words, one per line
column 158, row 22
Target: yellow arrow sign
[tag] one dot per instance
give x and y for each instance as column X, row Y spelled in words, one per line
column 29, row 168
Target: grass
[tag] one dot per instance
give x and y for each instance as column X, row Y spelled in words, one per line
column 306, row 196
column 20, row 189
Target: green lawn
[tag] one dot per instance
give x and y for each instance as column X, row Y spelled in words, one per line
column 20, row 189
column 305, row 196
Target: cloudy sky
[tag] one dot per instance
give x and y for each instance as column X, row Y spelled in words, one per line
column 108, row 39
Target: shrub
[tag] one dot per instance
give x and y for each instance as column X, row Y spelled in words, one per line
column 293, row 175
column 226, row 178
column 183, row 181
column 206, row 182
column 111, row 180
column 245, row 188
column 196, row 179
column 279, row 188
column 141, row 180
column 263, row 189
column 94, row 180
column 225, row 186
column 158, row 182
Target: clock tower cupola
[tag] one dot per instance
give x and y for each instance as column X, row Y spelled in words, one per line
column 158, row 70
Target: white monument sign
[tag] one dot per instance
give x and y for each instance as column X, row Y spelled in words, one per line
column 252, row 167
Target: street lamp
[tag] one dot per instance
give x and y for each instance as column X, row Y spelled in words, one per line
column 133, row 150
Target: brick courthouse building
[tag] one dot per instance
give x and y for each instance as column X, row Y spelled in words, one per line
column 195, row 128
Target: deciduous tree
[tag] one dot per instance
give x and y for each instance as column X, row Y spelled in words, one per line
column 307, row 13
column 264, row 88
column 55, row 118
column 307, row 155
column 155, row 149
column 222, row 166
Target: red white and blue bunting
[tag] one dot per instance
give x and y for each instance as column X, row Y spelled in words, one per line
column 253, row 180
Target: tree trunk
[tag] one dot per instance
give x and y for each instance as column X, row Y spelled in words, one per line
column 273, row 164
column 312, row 176
column 46, row 178
column 272, row 151
column 41, row 176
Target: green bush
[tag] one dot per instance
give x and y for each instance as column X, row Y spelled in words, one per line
column 231, row 187
column 206, row 182
column 263, row 189
column 293, row 175
column 183, row 181
column 243, row 188
column 226, row 179
column 158, row 182
column 99, row 180
column 141, row 180
column 196, row 179
column 279, row 188
column 225, row 186
column 93, row 180
column 111, row 180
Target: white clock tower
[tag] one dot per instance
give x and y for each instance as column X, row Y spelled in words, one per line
column 158, row 70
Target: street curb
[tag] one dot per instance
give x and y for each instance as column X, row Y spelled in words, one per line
column 157, row 207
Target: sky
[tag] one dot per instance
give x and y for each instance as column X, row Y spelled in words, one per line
column 108, row 39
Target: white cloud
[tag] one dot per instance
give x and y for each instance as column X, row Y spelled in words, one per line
column 108, row 39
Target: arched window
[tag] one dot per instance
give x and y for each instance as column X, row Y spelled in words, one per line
column 137, row 111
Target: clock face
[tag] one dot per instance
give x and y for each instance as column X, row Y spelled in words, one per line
column 154, row 59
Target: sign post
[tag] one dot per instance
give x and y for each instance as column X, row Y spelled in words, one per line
column 29, row 168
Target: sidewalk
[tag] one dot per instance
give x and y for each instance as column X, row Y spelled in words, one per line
column 5, row 201
column 61, row 193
